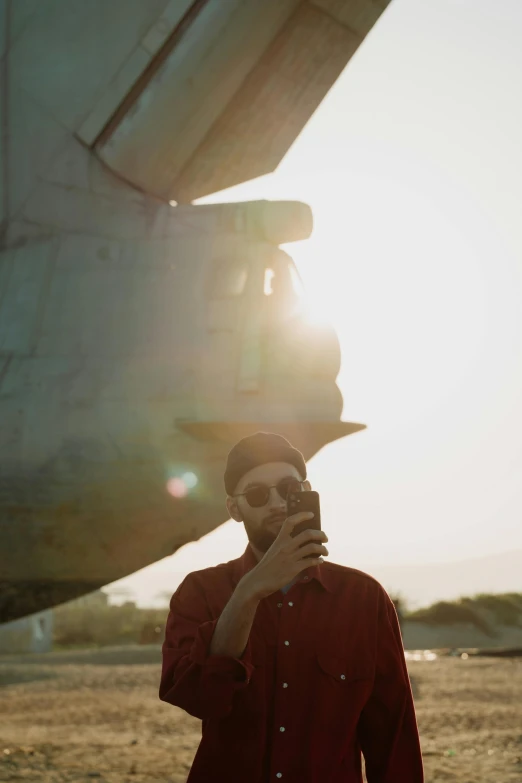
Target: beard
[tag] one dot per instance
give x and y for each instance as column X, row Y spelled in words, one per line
column 262, row 537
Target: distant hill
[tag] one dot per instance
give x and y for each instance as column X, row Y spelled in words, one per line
column 421, row 585
column 487, row 620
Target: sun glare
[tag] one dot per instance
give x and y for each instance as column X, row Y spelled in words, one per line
column 269, row 276
column 312, row 307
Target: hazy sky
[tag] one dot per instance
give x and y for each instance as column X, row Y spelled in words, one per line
column 413, row 168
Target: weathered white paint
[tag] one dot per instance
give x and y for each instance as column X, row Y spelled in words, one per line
column 189, row 92
column 132, row 69
column 121, row 355
column 104, row 322
column 358, row 15
column 33, row 634
column 271, row 106
column 69, row 51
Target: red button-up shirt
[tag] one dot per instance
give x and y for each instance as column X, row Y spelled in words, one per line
column 323, row 677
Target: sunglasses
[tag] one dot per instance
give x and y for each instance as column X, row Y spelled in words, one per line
column 258, row 496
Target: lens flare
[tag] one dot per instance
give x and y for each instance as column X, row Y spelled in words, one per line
column 177, row 488
column 190, row 479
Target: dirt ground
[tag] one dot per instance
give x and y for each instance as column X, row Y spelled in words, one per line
column 84, row 716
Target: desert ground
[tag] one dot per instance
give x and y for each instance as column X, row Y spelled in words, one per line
column 95, row 715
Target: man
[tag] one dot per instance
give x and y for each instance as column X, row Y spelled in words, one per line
column 293, row 667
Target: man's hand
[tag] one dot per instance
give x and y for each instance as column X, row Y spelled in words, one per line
column 286, row 558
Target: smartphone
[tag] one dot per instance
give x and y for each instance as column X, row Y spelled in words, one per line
column 304, row 501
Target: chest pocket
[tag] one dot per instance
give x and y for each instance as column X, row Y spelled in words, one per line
column 341, row 671
column 343, row 689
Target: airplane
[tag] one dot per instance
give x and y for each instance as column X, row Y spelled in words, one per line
column 142, row 335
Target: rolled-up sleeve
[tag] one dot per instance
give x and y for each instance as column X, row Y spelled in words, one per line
column 387, row 729
column 201, row 684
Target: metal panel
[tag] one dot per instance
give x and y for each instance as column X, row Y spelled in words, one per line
column 132, row 69
column 161, row 29
column 271, row 108
column 21, row 12
column 3, row 137
column 71, row 49
column 114, row 95
column 358, row 15
column 34, row 139
column 24, row 295
column 189, row 92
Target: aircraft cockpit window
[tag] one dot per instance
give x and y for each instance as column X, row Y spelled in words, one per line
column 269, row 277
column 282, row 279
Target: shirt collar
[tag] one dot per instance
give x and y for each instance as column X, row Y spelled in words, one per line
column 320, row 573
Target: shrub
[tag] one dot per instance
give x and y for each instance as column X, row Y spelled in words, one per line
column 506, row 607
column 77, row 624
column 446, row 613
column 502, row 608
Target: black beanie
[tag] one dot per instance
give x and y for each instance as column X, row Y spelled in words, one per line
column 257, row 450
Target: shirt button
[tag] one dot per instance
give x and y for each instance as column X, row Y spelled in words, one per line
column 343, row 677
column 279, row 775
column 285, row 685
column 287, row 643
column 282, row 728
column 279, row 606
column 305, row 578
column 290, row 603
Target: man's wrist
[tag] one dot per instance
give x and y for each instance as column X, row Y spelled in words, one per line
column 248, row 590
